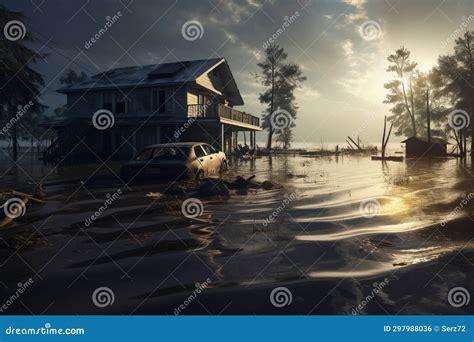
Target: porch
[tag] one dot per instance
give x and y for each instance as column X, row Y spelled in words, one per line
column 230, row 122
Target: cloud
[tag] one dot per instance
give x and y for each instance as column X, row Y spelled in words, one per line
column 307, row 92
column 355, row 3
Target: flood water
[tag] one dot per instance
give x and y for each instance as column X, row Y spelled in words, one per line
column 340, row 227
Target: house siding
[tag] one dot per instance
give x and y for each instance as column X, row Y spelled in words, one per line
column 139, row 102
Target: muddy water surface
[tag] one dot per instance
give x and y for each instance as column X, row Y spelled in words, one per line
column 342, row 235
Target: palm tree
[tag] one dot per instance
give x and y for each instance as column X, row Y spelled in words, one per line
column 19, row 83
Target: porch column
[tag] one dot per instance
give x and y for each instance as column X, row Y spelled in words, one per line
column 222, row 138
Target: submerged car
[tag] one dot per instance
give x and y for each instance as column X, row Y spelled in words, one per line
column 184, row 160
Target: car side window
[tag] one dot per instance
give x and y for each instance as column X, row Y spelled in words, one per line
column 199, row 152
column 145, row 154
column 209, row 149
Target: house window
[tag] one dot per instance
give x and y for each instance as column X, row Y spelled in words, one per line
column 108, row 101
column 120, row 106
column 141, row 101
column 162, row 100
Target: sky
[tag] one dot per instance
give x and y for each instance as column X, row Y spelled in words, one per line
column 341, row 46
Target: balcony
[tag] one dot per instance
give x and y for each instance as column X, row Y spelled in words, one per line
column 221, row 111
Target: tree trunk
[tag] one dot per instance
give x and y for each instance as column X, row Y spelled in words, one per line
column 405, row 98
column 270, row 137
column 472, row 130
column 272, row 109
column 413, row 122
column 428, row 116
column 15, row 142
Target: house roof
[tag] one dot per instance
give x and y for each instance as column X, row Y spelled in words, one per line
column 155, row 75
column 433, row 140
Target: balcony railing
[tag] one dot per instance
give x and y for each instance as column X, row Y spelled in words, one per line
column 219, row 110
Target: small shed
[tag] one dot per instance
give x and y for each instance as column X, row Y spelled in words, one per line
column 417, row 147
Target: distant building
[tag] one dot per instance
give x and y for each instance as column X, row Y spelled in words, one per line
column 416, row 147
column 182, row 101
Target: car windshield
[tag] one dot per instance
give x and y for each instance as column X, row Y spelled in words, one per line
column 145, row 154
column 171, row 153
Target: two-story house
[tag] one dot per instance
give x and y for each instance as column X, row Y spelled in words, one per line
column 182, row 101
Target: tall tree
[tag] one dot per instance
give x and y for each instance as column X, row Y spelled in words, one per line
column 401, row 92
column 457, row 73
column 70, row 77
column 285, row 136
column 280, row 79
column 429, row 103
column 19, row 83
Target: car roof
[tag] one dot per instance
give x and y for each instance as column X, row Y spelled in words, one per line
column 178, row 144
